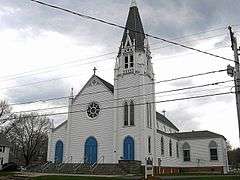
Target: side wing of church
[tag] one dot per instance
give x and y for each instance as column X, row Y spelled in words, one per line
column 109, row 123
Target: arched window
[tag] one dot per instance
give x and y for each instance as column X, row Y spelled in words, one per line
column 131, row 61
column 213, row 151
column 149, row 145
column 177, row 149
column 170, row 148
column 125, row 114
column 186, row 152
column 162, row 146
column 149, row 117
column 132, row 113
column 59, row 152
column 126, row 62
column 128, row 148
column 90, row 151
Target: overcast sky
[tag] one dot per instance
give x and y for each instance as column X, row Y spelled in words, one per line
column 39, row 44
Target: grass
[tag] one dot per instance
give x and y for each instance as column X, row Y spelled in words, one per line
column 74, row 178
column 118, row 178
column 213, row 178
column 3, row 173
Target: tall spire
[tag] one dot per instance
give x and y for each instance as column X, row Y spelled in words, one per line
column 133, row 3
column 134, row 28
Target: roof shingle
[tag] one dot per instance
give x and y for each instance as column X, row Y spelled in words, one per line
column 198, row 135
column 165, row 121
column 135, row 28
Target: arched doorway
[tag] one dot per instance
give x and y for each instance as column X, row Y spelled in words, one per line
column 128, row 148
column 59, row 152
column 90, row 151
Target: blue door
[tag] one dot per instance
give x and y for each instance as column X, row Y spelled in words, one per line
column 128, row 148
column 90, row 152
column 59, row 152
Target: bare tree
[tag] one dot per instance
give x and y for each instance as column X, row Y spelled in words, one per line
column 5, row 112
column 28, row 132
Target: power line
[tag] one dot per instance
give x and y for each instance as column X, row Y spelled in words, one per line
column 127, row 87
column 56, row 67
column 187, row 54
column 131, row 97
column 139, row 104
column 66, row 77
column 122, row 27
column 196, row 91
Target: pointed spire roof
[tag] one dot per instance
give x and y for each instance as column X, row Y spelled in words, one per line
column 133, row 3
column 135, row 27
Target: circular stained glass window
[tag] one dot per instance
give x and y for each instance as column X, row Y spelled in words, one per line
column 93, row 110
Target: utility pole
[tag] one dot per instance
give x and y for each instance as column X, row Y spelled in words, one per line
column 236, row 74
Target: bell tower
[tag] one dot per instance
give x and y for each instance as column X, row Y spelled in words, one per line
column 134, row 88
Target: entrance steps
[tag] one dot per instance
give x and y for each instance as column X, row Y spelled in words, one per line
column 122, row 168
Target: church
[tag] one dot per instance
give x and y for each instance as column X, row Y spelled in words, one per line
column 107, row 123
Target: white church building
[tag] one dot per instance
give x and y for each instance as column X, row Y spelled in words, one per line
column 107, row 123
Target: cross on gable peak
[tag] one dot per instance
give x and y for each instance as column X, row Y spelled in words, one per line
column 94, row 70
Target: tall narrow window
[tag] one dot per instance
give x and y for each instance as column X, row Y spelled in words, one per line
column 131, row 61
column 132, row 113
column 125, row 114
column 170, row 148
column 162, row 146
column 150, row 115
column 177, row 150
column 149, row 119
column 186, row 152
column 147, row 115
column 149, row 145
column 213, row 151
column 126, row 62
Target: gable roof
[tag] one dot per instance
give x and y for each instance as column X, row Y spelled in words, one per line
column 59, row 126
column 135, row 29
column 198, row 135
column 161, row 118
column 109, row 86
column 4, row 141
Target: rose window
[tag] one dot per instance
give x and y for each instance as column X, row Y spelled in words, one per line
column 93, row 110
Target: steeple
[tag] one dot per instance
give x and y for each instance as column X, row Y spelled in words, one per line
column 134, row 28
column 133, row 3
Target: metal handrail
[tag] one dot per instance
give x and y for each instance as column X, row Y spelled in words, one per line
column 46, row 165
column 80, row 163
column 60, row 166
column 95, row 165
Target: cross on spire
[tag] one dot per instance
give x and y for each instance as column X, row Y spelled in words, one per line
column 133, row 3
column 94, row 70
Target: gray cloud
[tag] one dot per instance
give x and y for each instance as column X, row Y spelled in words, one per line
column 183, row 83
column 48, row 90
column 182, row 118
column 164, row 18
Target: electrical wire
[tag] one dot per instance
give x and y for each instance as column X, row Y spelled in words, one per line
column 115, row 107
column 162, row 81
column 131, row 97
column 122, row 27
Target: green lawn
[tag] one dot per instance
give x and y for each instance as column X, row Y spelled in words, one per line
column 75, row 178
column 6, row 173
column 111, row 178
column 207, row 178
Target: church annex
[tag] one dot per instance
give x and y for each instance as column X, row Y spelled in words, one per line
column 107, row 123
